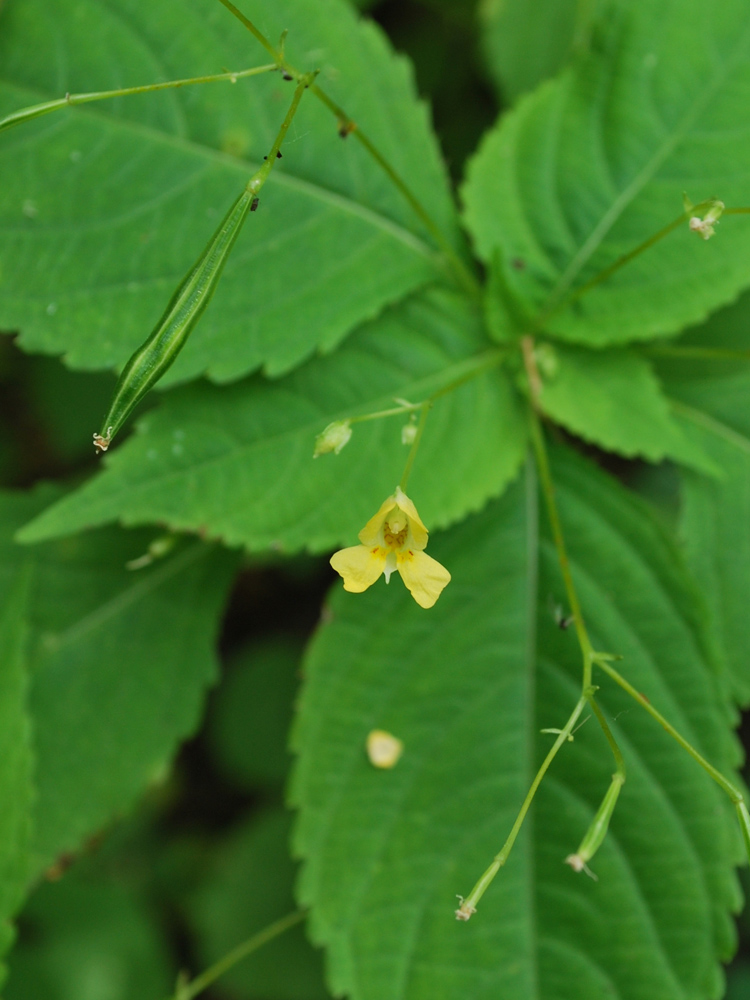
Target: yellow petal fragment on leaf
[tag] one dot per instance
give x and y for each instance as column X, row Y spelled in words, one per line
column 383, row 749
column 424, row 577
column 359, row 565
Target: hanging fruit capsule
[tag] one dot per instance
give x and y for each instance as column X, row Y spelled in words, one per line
column 154, row 357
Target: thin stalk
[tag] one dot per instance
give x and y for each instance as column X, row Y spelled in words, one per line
column 616, row 752
column 186, row 991
column 71, row 100
column 259, row 178
column 426, row 407
column 394, row 412
column 469, row 905
column 471, row 368
column 686, row 353
column 548, row 488
column 346, row 127
column 726, row 786
column 560, row 299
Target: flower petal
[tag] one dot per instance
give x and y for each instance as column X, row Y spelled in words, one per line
column 359, row 565
column 424, row 577
column 369, row 534
column 418, row 530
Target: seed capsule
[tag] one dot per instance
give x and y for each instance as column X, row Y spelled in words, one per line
column 152, row 359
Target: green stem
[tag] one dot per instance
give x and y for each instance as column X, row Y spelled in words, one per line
column 686, row 353
column 406, row 408
column 470, row 369
column 561, row 299
column 469, row 905
column 426, row 407
column 726, row 786
column 616, row 752
column 186, row 991
column 548, row 489
column 347, row 126
column 260, row 176
column 70, row 100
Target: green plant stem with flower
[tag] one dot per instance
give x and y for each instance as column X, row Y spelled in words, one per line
column 595, row 835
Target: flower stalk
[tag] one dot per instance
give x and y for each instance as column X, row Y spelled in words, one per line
column 72, row 100
column 348, row 127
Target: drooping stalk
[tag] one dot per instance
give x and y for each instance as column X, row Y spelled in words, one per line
column 348, row 127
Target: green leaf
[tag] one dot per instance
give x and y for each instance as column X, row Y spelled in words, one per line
column 106, row 207
column 465, row 689
column 613, row 399
column 247, row 886
column 595, row 162
column 525, row 43
column 715, row 525
column 88, row 940
column 236, row 462
column 120, row 664
column 251, row 714
column 710, row 398
column 16, row 784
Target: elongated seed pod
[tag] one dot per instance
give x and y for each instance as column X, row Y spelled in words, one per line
column 154, row 357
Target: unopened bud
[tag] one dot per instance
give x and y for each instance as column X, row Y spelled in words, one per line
column 159, row 548
column 409, row 432
column 333, row 438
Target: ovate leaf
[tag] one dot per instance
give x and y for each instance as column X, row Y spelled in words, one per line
column 711, row 400
column 467, row 691
column 237, row 462
column 16, row 784
column 612, row 399
column 120, row 664
column 105, row 208
column 88, row 939
column 526, row 43
column 595, row 162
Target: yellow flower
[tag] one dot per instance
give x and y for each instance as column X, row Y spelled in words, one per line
column 393, row 539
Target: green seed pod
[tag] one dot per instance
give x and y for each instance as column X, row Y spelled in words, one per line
column 154, row 357
column 598, row 830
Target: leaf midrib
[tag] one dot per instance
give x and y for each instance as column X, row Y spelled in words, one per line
column 53, row 642
column 617, row 208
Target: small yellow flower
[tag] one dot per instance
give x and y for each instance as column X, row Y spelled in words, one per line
column 393, row 539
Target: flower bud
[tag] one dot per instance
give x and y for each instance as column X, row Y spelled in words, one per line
column 409, row 432
column 333, row 438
